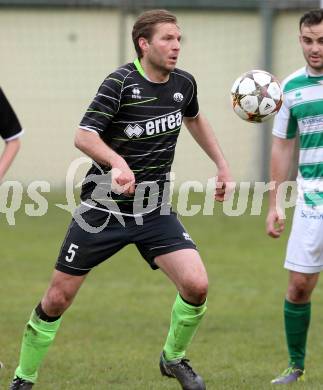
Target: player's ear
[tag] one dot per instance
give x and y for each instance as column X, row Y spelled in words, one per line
column 143, row 44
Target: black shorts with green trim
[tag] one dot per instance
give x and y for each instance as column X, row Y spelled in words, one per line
column 99, row 235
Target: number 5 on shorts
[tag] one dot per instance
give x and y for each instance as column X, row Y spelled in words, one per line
column 71, row 252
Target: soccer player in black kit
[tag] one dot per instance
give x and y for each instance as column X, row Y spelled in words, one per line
column 130, row 131
column 10, row 131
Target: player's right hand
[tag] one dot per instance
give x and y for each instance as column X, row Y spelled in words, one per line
column 275, row 225
column 123, row 178
column 224, row 187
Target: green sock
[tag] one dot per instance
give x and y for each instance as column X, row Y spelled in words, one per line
column 37, row 338
column 185, row 320
column 297, row 321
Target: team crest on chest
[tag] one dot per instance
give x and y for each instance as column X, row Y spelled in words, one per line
column 178, row 97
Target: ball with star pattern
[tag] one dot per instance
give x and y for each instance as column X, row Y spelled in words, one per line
column 256, row 96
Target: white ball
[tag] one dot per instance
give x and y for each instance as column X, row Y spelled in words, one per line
column 256, row 96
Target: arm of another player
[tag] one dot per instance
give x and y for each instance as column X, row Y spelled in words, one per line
column 90, row 143
column 203, row 134
column 10, row 150
column 281, row 158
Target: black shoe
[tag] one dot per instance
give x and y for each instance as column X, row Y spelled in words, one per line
column 183, row 372
column 20, row 384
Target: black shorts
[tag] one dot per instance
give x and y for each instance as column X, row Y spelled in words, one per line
column 83, row 249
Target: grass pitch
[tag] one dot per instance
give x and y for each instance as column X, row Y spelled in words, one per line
column 112, row 335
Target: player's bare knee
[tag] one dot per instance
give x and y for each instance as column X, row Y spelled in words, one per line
column 55, row 302
column 299, row 292
column 195, row 291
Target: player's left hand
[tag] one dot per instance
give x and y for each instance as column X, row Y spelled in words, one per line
column 224, row 185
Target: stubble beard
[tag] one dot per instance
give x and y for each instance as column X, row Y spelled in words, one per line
column 161, row 69
column 316, row 68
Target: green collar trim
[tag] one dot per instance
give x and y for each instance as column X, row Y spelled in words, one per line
column 139, row 67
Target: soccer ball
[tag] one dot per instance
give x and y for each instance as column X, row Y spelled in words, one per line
column 256, row 96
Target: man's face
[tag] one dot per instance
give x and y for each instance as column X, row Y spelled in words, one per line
column 311, row 39
column 163, row 49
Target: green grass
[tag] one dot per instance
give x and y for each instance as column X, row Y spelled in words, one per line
column 112, row 335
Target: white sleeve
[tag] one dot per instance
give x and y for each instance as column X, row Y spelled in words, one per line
column 281, row 121
column 285, row 123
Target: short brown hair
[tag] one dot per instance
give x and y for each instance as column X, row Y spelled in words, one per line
column 311, row 18
column 144, row 25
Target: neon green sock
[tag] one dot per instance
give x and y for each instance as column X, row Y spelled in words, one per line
column 297, row 321
column 185, row 320
column 37, row 338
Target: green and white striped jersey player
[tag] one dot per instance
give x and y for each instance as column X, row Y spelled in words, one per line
column 302, row 114
column 300, row 118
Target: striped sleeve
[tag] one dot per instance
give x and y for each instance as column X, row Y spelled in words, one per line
column 104, row 106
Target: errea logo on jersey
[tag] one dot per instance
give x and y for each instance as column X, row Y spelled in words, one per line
column 134, row 130
column 156, row 126
column 169, row 122
column 187, row 236
column 298, row 96
column 136, row 93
